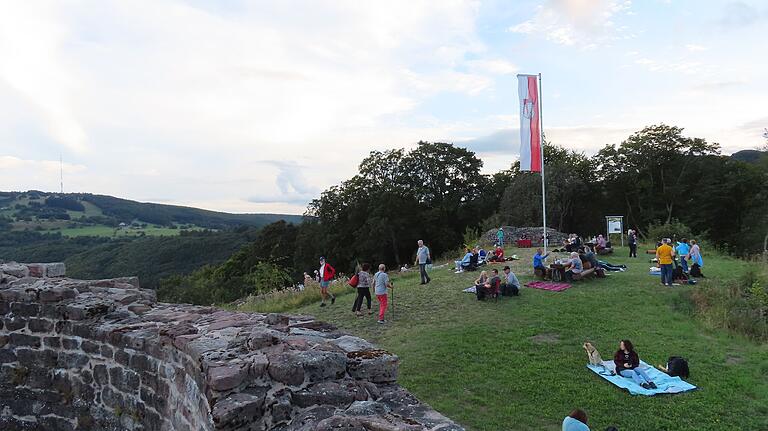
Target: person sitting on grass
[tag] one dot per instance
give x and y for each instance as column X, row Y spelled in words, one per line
column 511, row 285
column 462, row 264
column 574, row 266
column 482, row 256
column 482, row 290
column 576, row 421
column 601, row 243
column 498, row 255
column 628, row 365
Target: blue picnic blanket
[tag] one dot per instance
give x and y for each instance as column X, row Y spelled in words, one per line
column 665, row 384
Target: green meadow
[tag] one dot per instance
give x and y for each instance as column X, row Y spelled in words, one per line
column 518, row 364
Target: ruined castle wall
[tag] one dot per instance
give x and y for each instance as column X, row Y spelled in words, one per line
column 104, row 355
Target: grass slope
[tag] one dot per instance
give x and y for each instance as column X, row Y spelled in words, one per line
column 518, row 364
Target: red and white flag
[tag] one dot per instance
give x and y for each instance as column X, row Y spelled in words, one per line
column 530, row 132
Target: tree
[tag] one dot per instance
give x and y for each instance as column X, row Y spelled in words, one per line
column 568, row 182
column 645, row 172
column 433, row 192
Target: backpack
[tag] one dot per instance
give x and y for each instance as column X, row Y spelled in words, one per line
column 354, row 281
column 677, row 367
column 696, row 271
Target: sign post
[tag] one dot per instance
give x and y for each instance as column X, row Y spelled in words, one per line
column 614, row 224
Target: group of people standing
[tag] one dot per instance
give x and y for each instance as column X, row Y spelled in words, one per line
column 364, row 281
column 683, row 252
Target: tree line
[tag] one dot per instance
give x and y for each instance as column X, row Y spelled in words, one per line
column 658, row 178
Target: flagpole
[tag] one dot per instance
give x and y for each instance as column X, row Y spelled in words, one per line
column 543, row 188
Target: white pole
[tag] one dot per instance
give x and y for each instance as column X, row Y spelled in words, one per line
column 543, row 189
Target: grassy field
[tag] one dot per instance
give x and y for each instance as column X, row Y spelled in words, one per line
column 101, row 230
column 518, row 364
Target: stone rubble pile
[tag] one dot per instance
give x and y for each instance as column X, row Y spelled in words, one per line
column 512, row 234
column 105, row 355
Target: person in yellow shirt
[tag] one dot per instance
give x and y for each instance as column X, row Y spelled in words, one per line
column 665, row 255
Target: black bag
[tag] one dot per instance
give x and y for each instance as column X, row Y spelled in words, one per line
column 509, row 290
column 677, row 367
column 696, row 271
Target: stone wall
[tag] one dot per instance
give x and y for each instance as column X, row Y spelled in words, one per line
column 512, row 234
column 105, row 355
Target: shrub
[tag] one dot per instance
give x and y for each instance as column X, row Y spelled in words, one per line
column 674, row 229
column 741, row 306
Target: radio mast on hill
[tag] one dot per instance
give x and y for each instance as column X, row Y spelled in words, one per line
column 61, row 173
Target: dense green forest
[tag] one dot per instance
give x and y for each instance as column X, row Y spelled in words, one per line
column 152, row 258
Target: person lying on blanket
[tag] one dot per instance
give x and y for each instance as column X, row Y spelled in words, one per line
column 628, row 365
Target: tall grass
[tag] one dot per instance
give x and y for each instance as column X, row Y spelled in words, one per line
column 286, row 300
column 740, row 305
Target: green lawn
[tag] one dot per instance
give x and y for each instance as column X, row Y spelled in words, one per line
column 111, row 231
column 518, row 364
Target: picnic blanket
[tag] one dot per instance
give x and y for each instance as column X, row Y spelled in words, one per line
column 548, row 285
column 665, row 383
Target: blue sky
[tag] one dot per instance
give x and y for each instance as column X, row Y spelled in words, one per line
column 258, row 106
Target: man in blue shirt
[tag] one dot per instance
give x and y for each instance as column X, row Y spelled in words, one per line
column 538, row 259
column 539, row 268
column 682, row 249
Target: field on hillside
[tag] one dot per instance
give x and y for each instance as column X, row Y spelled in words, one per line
column 519, row 364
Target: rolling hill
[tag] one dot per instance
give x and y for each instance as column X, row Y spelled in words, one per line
column 84, row 214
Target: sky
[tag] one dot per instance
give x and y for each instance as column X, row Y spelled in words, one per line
column 259, row 106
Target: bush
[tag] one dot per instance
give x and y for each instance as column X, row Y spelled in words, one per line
column 64, row 203
column 674, row 230
column 741, row 306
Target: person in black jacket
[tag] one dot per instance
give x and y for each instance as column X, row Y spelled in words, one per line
column 628, row 365
column 632, row 239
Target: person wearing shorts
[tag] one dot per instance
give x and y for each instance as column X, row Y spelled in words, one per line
column 327, row 272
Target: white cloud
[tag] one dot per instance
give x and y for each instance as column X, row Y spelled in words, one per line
column 584, row 23
column 30, row 43
column 493, row 66
column 695, row 48
column 164, row 90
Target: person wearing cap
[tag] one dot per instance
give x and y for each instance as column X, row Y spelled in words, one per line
column 327, row 272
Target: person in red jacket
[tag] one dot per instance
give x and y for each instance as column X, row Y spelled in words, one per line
column 327, row 272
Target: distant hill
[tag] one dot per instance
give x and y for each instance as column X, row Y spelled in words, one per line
column 749, row 156
column 72, row 212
